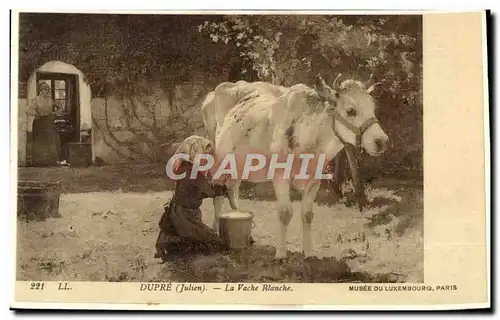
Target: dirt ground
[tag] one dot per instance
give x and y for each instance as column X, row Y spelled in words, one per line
column 106, row 233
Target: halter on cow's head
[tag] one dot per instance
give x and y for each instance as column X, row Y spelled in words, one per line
column 353, row 112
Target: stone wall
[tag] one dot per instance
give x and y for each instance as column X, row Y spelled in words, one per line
column 22, row 132
column 119, row 137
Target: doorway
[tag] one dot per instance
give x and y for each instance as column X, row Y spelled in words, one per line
column 65, row 91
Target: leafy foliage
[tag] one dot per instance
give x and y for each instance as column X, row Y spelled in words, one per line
column 115, row 52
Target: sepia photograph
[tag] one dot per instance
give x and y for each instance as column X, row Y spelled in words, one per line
column 106, row 99
column 255, row 151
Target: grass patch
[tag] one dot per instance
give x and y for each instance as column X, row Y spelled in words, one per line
column 108, row 226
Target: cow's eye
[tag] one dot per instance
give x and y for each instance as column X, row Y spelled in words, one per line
column 351, row 112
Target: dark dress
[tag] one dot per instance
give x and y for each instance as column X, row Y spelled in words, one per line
column 46, row 144
column 181, row 227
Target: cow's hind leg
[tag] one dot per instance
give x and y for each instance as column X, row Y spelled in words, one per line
column 285, row 213
column 218, row 202
column 308, row 196
column 233, row 194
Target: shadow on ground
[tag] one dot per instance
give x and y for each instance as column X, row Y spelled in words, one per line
column 258, row 264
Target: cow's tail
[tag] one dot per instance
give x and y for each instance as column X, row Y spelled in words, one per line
column 208, row 112
column 217, row 104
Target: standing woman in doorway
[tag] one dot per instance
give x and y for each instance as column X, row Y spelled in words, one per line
column 46, row 148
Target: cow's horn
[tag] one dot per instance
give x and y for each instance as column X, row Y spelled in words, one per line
column 336, row 79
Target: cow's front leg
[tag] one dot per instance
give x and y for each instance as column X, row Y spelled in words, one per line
column 308, row 196
column 285, row 213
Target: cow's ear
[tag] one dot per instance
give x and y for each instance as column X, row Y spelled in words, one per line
column 320, row 82
column 322, row 88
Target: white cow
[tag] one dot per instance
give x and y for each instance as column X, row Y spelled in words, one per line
column 262, row 118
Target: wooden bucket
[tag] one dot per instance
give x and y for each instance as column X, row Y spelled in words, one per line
column 38, row 200
column 235, row 228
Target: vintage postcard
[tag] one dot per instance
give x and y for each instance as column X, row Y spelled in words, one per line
column 220, row 160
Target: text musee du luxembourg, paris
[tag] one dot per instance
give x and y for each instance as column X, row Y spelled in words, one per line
column 402, row 287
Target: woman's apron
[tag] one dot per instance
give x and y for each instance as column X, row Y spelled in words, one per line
column 46, row 144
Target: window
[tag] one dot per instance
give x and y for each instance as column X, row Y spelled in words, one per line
column 60, row 92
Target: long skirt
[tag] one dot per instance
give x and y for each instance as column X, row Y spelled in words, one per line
column 46, row 144
column 182, row 231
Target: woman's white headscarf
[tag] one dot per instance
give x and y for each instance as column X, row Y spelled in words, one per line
column 192, row 146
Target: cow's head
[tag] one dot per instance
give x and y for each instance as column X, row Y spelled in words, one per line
column 353, row 112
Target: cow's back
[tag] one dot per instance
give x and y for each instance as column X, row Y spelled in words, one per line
column 226, row 96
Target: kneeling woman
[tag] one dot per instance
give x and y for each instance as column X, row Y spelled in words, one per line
column 181, row 227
